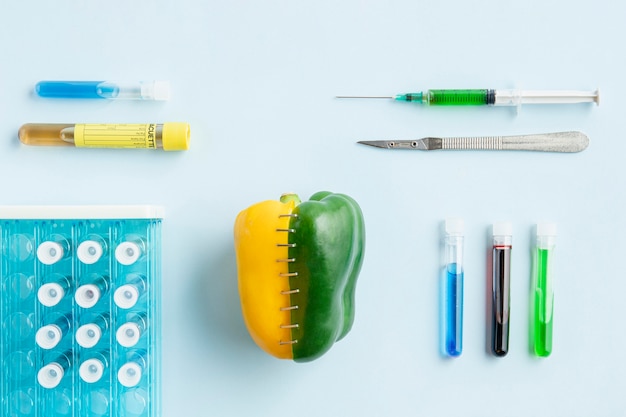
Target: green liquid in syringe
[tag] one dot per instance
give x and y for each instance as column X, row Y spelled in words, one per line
column 458, row 97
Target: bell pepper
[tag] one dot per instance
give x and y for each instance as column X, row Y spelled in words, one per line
column 298, row 264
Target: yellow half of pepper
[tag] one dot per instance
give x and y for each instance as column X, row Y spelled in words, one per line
column 263, row 283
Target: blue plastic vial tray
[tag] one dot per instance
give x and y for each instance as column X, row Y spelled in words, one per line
column 80, row 311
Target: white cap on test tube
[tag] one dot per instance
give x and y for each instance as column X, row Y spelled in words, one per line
column 129, row 374
column 48, row 336
column 155, row 90
column 50, row 375
column 127, row 253
column 88, row 335
column 87, row 295
column 546, row 229
column 50, row 252
column 128, row 334
column 50, row 294
column 89, row 252
column 503, row 229
column 455, row 226
column 91, row 370
column 126, row 296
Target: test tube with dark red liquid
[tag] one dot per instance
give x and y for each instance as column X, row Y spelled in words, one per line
column 501, row 273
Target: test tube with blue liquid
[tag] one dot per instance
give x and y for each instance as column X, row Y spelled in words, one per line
column 112, row 90
column 452, row 289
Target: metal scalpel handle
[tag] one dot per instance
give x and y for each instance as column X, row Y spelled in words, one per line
column 546, row 142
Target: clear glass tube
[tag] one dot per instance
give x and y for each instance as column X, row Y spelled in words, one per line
column 452, row 288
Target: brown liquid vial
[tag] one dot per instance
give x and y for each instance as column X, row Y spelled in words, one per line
column 51, row 134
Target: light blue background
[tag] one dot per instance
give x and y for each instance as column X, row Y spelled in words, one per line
column 256, row 80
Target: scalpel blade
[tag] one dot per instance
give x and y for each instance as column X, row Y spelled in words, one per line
column 545, row 142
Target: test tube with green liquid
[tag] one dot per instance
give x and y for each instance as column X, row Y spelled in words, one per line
column 543, row 297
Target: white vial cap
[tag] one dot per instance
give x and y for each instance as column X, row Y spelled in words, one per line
column 127, row 253
column 155, row 90
column 503, row 229
column 50, row 375
column 128, row 334
column 455, row 226
column 89, row 252
column 87, row 295
column 126, row 296
column 50, row 252
column 88, row 335
column 50, row 294
column 546, row 229
column 91, row 370
column 129, row 374
column 48, row 336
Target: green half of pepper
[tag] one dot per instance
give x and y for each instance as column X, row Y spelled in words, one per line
column 327, row 249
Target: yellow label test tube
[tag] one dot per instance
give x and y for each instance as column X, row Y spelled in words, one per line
column 166, row 136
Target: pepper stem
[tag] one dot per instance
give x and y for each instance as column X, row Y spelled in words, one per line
column 288, row 197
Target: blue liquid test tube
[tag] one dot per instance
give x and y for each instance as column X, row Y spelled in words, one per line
column 453, row 288
column 113, row 90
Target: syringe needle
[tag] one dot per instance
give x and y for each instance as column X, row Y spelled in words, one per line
column 387, row 97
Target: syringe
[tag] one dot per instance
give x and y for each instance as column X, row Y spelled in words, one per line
column 490, row 97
